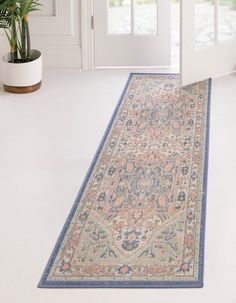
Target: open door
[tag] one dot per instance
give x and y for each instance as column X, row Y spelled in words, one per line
column 208, row 39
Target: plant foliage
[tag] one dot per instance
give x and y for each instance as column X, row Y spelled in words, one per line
column 14, row 20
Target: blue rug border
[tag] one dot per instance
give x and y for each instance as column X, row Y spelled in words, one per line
column 132, row 284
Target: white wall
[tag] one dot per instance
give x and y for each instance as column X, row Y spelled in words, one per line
column 56, row 32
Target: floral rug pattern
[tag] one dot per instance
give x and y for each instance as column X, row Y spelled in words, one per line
column 139, row 218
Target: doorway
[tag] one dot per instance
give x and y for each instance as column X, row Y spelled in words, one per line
column 146, row 33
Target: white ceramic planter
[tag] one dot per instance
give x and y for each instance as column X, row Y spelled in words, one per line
column 22, row 77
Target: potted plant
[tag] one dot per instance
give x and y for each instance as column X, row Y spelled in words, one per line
column 22, row 66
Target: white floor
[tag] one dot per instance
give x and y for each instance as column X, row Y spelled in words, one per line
column 47, row 142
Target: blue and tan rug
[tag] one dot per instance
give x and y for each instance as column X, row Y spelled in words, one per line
column 139, row 218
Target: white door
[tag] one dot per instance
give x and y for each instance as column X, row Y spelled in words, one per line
column 208, row 39
column 132, row 32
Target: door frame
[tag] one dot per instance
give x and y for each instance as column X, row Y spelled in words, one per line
column 87, row 35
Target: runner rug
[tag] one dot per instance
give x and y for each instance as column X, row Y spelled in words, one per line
column 139, row 218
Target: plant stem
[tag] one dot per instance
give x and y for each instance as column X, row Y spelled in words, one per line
column 13, row 39
column 23, row 40
column 26, row 18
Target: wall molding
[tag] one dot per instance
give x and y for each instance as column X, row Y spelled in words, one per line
column 60, row 24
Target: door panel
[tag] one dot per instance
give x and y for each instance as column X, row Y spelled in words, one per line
column 132, row 32
column 208, row 46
